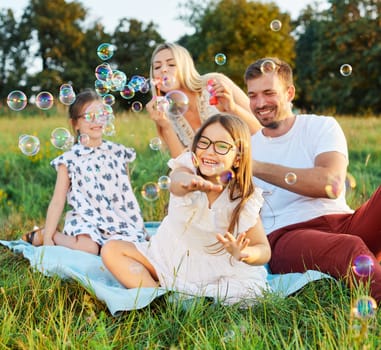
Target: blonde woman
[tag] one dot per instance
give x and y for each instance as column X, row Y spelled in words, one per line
column 172, row 68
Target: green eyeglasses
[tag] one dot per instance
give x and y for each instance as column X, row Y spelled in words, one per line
column 220, row 147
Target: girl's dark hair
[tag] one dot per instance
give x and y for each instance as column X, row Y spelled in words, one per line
column 84, row 97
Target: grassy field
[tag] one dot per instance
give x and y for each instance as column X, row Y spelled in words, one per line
column 38, row 312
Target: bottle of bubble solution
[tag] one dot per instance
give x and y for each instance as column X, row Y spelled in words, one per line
column 213, row 100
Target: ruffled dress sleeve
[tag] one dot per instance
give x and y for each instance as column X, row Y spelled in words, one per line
column 184, row 160
column 250, row 212
column 60, row 160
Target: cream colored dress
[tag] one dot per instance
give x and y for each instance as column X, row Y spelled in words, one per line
column 181, row 249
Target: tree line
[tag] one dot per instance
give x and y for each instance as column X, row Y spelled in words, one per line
column 316, row 45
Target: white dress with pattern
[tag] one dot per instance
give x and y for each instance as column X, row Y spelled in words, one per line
column 102, row 202
column 181, row 254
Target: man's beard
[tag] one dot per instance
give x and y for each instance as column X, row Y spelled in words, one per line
column 273, row 125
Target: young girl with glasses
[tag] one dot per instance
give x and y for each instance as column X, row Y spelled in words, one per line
column 212, row 242
column 93, row 177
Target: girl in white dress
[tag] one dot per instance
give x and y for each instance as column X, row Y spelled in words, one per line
column 212, row 242
column 93, row 177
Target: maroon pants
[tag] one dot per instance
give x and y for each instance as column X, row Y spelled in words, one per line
column 330, row 243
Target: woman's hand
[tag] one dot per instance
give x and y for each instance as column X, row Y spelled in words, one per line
column 156, row 108
column 224, row 94
column 234, row 246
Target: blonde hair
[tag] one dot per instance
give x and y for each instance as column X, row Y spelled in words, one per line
column 187, row 74
column 241, row 186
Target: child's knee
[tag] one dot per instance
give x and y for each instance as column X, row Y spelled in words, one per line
column 108, row 249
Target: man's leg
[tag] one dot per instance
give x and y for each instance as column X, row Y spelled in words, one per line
column 365, row 222
column 297, row 249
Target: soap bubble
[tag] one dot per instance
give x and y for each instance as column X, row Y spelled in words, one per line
column 164, row 182
column 29, row 145
column 350, row 182
column 290, row 178
column 364, row 308
column 136, row 106
column 168, row 81
column 195, row 161
column 102, row 87
column 66, row 94
column 161, row 104
column 84, row 139
column 103, row 72
column 118, row 80
column 60, row 138
column 105, row 51
column 276, row 25
column 225, row 177
column 178, row 102
column 229, row 335
column 44, row 100
column 108, row 99
column 109, row 128
column 136, row 82
column 150, row 191
column 268, row 66
column 155, row 143
column 127, row 92
column 346, row 70
column 333, row 187
column 220, row 59
column 363, row 265
column 145, row 88
column 17, row 100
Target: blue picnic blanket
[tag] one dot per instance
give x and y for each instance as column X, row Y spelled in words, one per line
column 92, row 274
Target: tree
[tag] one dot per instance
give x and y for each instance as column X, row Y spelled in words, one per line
column 135, row 43
column 348, row 32
column 240, row 29
column 14, row 49
column 60, row 38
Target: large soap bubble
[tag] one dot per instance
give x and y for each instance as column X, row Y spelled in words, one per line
column 44, row 100
column 178, row 102
column 29, row 145
column 17, row 100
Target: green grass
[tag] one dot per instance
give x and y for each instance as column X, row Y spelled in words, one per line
column 39, row 312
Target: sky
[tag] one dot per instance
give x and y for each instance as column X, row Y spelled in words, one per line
column 161, row 12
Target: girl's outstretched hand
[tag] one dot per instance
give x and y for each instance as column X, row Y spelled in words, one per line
column 200, row 184
column 234, row 246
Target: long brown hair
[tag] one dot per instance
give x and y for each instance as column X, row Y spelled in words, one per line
column 241, row 186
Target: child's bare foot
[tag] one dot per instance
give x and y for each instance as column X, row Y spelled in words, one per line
column 34, row 237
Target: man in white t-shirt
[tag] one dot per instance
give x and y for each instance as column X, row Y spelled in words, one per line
column 300, row 162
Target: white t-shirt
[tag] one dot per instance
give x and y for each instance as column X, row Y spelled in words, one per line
column 310, row 136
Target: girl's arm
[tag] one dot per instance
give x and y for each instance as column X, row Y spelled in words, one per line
column 56, row 205
column 251, row 247
column 184, row 181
